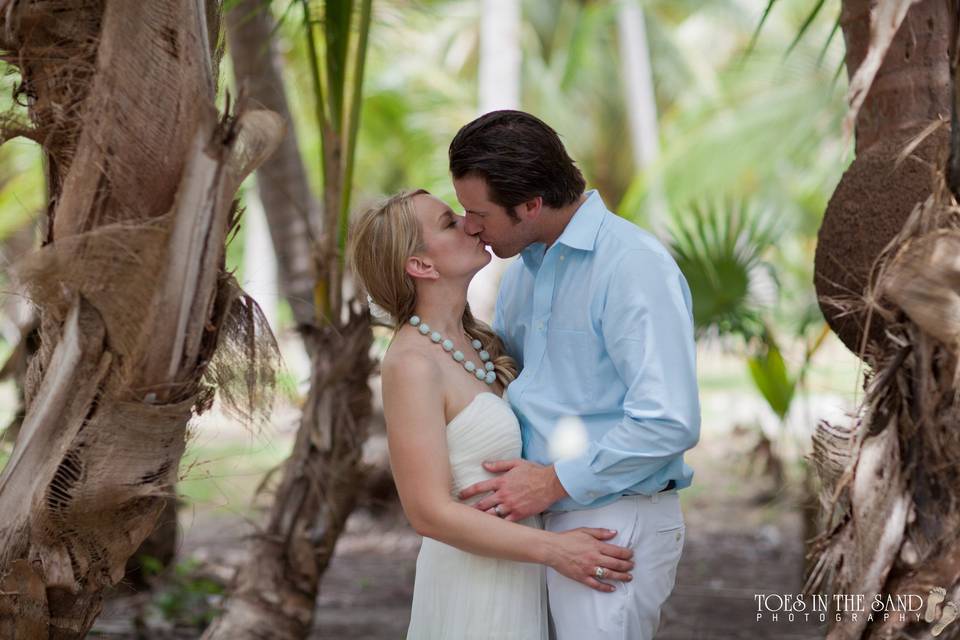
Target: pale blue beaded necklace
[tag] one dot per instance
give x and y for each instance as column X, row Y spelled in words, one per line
column 484, row 373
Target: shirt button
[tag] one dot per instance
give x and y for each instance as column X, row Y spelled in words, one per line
column 562, row 256
column 540, row 326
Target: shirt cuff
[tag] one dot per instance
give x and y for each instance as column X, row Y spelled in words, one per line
column 575, row 477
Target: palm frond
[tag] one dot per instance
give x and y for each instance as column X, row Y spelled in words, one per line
column 801, row 31
column 806, row 25
column 353, row 119
column 336, row 23
column 756, row 32
column 719, row 247
column 769, row 373
column 826, row 45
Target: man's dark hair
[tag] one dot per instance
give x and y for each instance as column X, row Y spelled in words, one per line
column 519, row 156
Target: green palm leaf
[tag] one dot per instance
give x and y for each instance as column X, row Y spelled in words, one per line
column 719, row 247
column 770, row 375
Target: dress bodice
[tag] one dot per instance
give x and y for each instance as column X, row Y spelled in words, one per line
column 485, row 430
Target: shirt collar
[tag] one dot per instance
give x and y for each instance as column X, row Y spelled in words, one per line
column 580, row 233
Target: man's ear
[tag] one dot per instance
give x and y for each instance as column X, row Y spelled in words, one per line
column 530, row 210
column 417, row 267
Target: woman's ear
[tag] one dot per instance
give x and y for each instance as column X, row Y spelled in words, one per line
column 417, row 267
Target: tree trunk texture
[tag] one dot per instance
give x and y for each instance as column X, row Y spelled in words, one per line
column 875, row 196
column 134, row 302
column 888, row 252
column 274, row 593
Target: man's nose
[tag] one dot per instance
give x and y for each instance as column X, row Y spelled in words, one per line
column 470, row 227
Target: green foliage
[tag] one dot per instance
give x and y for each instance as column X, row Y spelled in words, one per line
column 287, row 386
column 769, row 373
column 336, row 64
column 814, row 10
column 719, row 247
column 336, row 29
column 22, row 186
column 183, row 596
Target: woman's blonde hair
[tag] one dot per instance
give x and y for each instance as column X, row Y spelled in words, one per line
column 380, row 242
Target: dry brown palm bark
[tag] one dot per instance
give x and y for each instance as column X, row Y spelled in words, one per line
column 876, row 194
column 139, row 321
column 888, row 278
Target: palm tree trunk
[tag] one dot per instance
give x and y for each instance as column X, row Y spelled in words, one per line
column 130, row 286
column 886, row 252
column 274, row 593
column 291, row 209
column 875, row 195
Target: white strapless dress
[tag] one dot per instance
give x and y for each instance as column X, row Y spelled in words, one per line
column 459, row 595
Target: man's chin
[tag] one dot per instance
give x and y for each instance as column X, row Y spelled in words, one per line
column 503, row 252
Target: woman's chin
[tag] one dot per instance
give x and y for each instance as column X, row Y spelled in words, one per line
column 481, row 263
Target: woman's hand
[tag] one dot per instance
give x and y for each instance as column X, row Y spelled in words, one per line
column 577, row 553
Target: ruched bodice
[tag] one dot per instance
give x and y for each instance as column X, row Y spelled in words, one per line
column 486, row 429
column 462, row 596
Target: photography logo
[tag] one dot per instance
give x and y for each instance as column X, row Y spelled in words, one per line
column 858, row 607
column 946, row 615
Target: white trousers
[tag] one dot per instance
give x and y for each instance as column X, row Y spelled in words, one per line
column 650, row 525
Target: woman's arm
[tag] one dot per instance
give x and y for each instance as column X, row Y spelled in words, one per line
column 414, row 410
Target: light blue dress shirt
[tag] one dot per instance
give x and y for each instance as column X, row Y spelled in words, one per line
column 602, row 325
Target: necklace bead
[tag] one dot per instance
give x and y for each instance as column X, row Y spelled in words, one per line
column 483, row 372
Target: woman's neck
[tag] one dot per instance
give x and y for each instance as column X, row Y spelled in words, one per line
column 441, row 306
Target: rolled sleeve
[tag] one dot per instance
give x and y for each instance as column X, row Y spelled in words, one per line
column 647, row 330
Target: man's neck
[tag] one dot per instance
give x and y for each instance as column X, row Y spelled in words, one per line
column 556, row 220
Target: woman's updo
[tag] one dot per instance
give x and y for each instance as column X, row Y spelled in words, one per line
column 380, row 242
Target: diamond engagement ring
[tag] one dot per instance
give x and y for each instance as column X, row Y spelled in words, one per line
column 599, row 572
column 497, row 510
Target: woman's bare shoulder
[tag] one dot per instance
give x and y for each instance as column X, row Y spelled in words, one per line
column 407, row 362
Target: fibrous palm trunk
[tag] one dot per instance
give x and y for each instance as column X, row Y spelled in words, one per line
column 274, row 593
column 138, row 318
column 888, row 280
